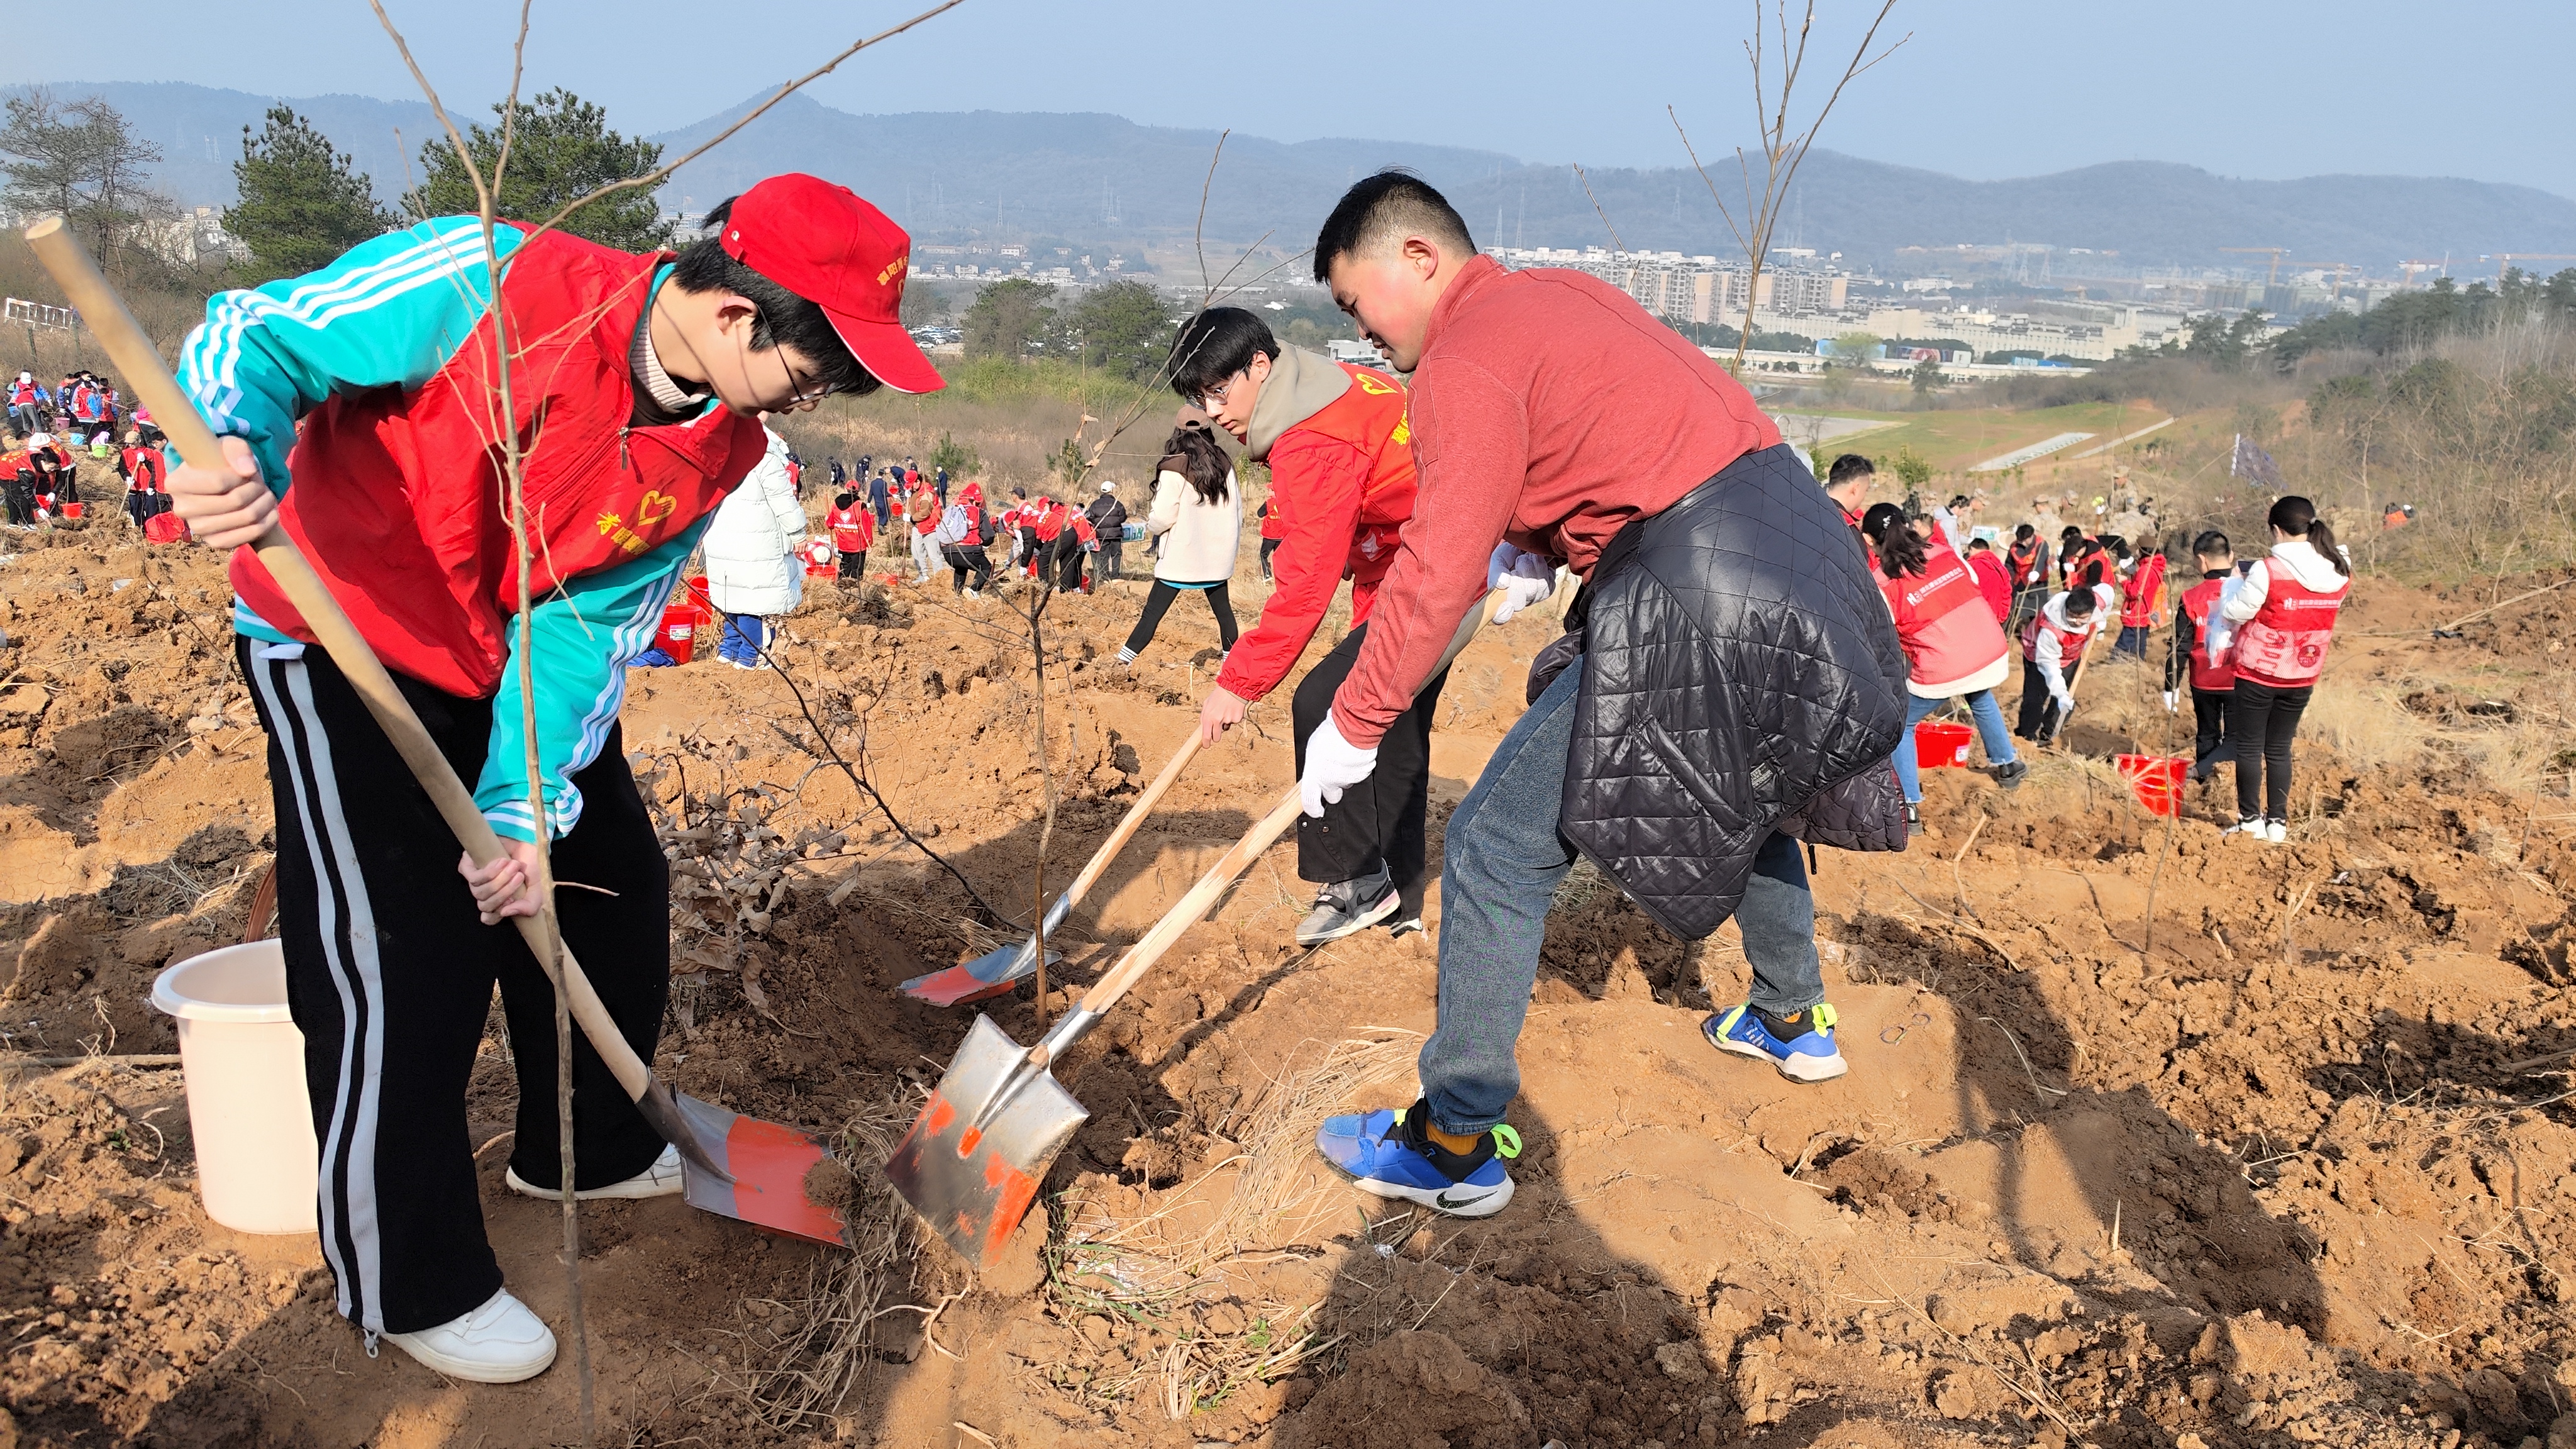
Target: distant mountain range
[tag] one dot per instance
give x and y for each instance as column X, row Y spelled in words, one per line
column 1103, row 181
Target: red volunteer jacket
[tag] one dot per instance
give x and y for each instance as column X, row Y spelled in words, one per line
column 1941, row 619
column 853, row 528
column 397, row 498
column 2199, row 602
column 1048, row 519
column 2284, row 644
column 1344, row 479
column 1993, row 582
column 2142, row 593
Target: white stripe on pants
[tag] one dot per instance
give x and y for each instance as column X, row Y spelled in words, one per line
column 352, row 1243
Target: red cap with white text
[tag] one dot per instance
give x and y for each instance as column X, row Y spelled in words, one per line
column 828, row 245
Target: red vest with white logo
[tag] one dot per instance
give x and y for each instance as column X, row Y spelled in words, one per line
column 2142, row 592
column 2070, row 642
column 851, row 528
column 1942, row 619
column 2199, row 603
column 2284, row 644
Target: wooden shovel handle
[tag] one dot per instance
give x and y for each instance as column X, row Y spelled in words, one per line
column 133, row 355
column 1136, row 813
column 1221, row 876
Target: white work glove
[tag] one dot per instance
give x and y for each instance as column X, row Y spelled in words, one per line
column 1525, row 579
column 1333, row 765
column 2065, row 703
column 2169, row 701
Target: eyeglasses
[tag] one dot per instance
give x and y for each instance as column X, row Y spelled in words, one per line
column 1214, row 398
column 798, row 399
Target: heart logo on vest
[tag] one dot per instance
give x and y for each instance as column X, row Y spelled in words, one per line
column 654, row 507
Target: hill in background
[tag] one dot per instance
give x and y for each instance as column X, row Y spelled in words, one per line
column 1109, row 181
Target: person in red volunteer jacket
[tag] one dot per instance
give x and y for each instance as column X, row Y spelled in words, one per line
column 2283, row 613
column 1338, row 444
column 2212, row 679
column 2027, row 562
column 1993, row 581
column 1954, row 647
column 2053, row 642
column 2142, row 598
column 144, row 473
column 1274, row 530
column 853, row 529
column 355, row 406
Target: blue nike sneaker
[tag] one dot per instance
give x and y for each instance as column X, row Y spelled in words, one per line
column 1388, row 1154
column 1801, row 1044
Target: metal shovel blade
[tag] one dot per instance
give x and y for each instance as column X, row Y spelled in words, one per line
column 760, row 1177
column 988, row 975
column 974, row 1183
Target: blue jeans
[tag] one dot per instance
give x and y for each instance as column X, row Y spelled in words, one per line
column 2133, row 640
column 1500, row 870
column 740, row 643
column 1990, row 731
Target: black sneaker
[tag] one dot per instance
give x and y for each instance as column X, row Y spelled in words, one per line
column 2011, row 773
column 1346, row 906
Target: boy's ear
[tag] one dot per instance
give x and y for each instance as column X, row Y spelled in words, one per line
column 734, row 309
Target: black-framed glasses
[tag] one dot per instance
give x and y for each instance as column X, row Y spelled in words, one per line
column 798, row 399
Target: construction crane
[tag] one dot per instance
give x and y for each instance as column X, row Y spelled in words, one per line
column 2412, row 268
column 2276, row 253
column 2341, row 270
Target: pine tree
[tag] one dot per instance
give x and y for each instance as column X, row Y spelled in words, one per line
column 301, row 205
column 560, row 151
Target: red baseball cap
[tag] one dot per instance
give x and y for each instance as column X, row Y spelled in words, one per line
column 827, row 245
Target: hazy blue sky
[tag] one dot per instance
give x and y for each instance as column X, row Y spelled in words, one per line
column 1986, row 88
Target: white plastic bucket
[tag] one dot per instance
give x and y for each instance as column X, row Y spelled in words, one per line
column 247, row 1106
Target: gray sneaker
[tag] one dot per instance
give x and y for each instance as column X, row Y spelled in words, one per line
column 1346, row 906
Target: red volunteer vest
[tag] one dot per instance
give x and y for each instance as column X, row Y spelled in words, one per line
column 1946, row 584
column 2199, row 603
column 2026, row 569
column 2284, row 644
column 2070, row 642
column 849, row 528
column 2143, row 591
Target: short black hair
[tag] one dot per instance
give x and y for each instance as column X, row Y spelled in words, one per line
column 1217, row 344
column 1847, row 467
column 1379, row 211
column 2079, row 600
column 704, row 266
column 2022, row 531
column 1975, row 544
column 2213, row 544
column 1959, row 500
column 844, row 498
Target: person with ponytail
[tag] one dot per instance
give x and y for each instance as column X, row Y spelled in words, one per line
column 2283, row 612
column 1198, row 515
column 1954, row 649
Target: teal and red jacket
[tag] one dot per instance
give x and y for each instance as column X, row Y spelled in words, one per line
column 369, row 392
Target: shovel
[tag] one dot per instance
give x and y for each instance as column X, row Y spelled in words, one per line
column 738, row 1167
column 972, row 1163
column 998, row 970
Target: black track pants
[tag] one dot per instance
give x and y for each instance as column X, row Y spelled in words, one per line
column 389, row 976
column 2262, row 720
column 1383, row 817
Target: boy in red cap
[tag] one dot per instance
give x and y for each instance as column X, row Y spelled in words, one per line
column 356, row 407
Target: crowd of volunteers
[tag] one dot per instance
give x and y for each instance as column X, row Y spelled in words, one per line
column 1721, row 600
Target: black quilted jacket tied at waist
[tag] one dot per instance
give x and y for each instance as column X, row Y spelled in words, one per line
column 1738, row 665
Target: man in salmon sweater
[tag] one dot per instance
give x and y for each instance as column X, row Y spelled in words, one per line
column 1340, row 453
column 1737, row 667
column 354, row 406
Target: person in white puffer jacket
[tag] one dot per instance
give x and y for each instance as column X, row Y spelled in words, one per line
column 751, row 546
column 2282, row 614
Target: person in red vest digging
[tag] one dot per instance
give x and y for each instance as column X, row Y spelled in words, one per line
column 1954, row 648
column 853, row 528
column 2142, row 599
column 1340, row 450
column 354, row 405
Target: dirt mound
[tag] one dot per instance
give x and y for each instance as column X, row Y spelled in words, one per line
column 2152, row 1137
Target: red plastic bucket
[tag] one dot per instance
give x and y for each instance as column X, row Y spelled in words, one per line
column 2157, row 780
column 72, row 510
column 1939, row 744
column 679, row 632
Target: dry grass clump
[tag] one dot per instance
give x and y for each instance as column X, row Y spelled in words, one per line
column 800, row 1359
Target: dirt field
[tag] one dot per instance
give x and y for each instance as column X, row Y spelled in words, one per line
column 2151, row 1138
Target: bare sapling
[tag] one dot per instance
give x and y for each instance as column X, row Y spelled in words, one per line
column 502, row 431
column 1783, row 150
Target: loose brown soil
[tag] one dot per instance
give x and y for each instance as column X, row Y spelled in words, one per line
column 2151, row 1137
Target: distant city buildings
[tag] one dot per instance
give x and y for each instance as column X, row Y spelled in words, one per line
column 1683, row 288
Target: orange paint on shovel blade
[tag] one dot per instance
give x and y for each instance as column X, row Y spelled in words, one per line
column 769, row 1163
column 1015, row 1191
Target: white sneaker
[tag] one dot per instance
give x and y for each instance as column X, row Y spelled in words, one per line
column 660, row 1180
column 2276, row 831
column 970, row 593
column 501, row 1342
column 2251, row 825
